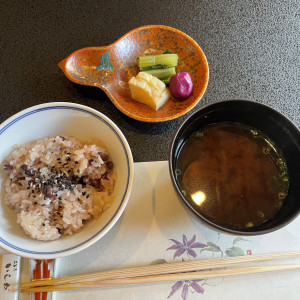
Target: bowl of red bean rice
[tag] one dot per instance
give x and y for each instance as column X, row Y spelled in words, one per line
column 66, row 175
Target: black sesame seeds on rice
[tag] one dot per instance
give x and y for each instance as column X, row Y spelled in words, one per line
column 63, row 195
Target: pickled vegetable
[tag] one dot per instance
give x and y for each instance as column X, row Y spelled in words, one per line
column 165, row 60
column 149, row 90
column 162, row 74
column 181, row 85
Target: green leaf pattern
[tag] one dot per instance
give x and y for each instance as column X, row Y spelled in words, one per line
column 234, row 251
column 239, row 239
column 211, row 247
column 158, row 261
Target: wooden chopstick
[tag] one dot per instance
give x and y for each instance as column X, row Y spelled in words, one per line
column 161, row 278
column 114, row 277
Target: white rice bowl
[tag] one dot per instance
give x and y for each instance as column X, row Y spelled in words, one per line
column 71, row 120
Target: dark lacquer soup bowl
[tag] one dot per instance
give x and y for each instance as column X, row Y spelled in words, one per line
column 236, row 165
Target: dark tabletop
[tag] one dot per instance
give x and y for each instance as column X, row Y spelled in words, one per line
column 252, row 47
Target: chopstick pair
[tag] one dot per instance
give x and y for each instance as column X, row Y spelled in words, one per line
column 189, row 270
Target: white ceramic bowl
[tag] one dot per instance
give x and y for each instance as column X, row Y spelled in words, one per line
column 60, row 118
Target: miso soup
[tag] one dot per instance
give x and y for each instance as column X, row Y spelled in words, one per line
column 233, row 175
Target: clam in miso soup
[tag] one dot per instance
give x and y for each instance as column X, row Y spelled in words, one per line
column 233, row 175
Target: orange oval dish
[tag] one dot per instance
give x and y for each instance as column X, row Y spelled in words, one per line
column 110, row 68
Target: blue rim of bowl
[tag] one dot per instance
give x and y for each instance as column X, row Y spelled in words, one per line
column 106, row 226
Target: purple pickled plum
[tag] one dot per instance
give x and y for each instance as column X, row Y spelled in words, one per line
column 181, row 85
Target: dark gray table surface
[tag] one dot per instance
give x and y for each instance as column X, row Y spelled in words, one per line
column 252, row 47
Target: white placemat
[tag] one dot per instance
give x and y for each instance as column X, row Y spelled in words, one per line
column 154, row 221
column 156, row 227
